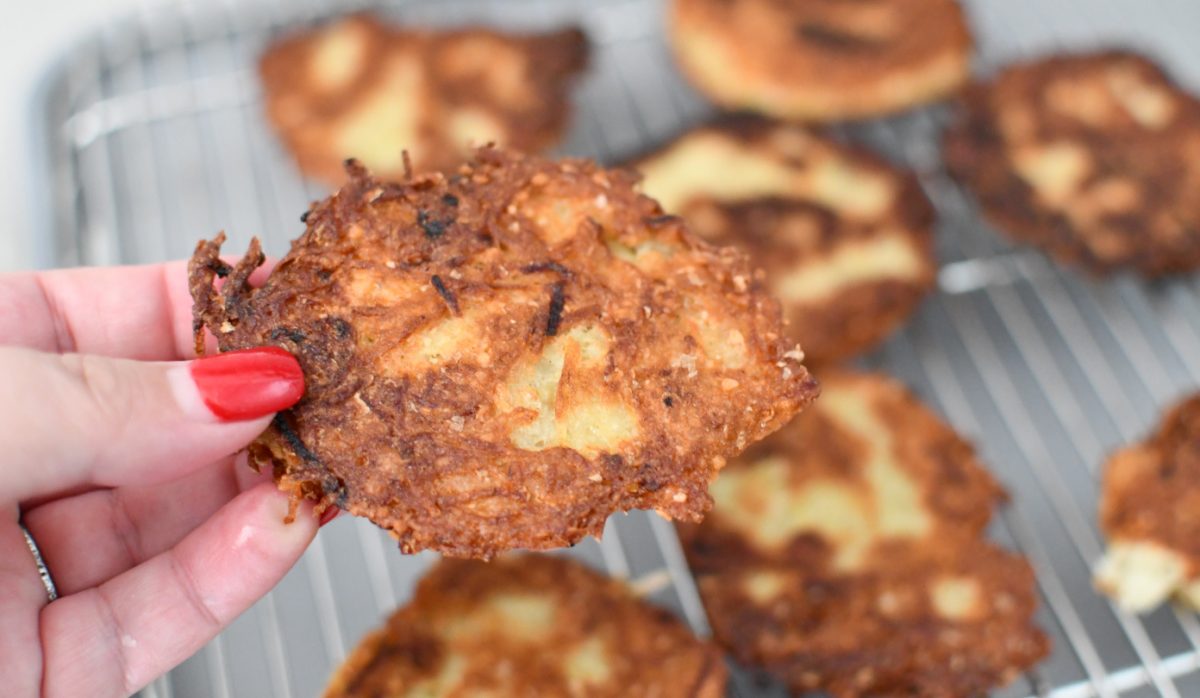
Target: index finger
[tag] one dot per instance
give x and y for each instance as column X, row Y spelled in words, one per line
column 133, row 312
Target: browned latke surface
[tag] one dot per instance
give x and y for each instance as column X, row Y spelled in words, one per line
column 797, row 230
column 821, row 60
column 431, row 93
column 584, row 355
column 846, row 553
column 1113, row 146
column 1152, row 489
column 529, row 626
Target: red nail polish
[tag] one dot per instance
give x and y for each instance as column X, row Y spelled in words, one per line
column 328, row 515
column 248, row 383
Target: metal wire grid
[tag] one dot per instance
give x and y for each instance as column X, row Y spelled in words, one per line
column 156, row 139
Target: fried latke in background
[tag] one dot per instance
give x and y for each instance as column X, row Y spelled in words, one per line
column 361, row 89
column 845, row 553
column 821, row 60
column 846, row 239
column 1093, row 158
column 503, row 356
column 1150, row 511
column 529, row 625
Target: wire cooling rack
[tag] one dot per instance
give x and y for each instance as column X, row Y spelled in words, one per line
column 155, row 138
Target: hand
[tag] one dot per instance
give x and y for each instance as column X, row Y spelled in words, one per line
column 118, row 458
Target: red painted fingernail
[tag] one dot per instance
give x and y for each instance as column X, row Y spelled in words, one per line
column 328, row 515
column 248, row 383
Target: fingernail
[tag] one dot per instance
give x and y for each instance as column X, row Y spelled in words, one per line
column 328, row 515
column 248, row 383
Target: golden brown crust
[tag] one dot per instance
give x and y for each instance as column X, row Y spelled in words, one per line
column 878, row 634
column 821, row 60
column 846, row 239
column 846, row 553
column 529, row 625
column 1152, row 489
column 360, row 88
column 1092, row 158
column 503, row 357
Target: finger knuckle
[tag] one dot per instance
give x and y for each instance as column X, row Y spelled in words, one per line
column 186, row 582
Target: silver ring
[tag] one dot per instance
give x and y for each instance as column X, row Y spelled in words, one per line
column 43, row 571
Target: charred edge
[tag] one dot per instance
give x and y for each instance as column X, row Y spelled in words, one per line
column 668, row 401
column 557, row 301
column 391, row 192
column 287, row 333
column 834, row 39
column 446, row 294
column 238, row 283
column 658, row 221
column 450, row 200
column 220, row 268
column 547, row 266
column 433, row 227
column 333, row 485
column 354, row 168
column 341, row 328
column 304, row 216
column 198, row 337
column 293, row 440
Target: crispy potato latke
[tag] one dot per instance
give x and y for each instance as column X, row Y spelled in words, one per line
column 359, row 88
column 502, row 357
column 821, row 60
column 845, row 553
column 529, row 625
column 1150, row 511
column 1093, row 158
column 846, row 239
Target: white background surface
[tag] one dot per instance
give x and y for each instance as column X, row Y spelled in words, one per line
column 32, row 34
